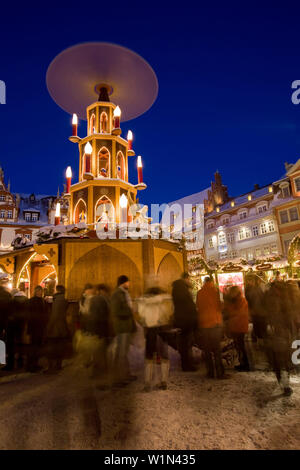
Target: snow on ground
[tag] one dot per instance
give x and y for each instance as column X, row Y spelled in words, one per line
column 68, row 411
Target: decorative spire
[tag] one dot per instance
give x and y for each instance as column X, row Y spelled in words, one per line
column 58, row 194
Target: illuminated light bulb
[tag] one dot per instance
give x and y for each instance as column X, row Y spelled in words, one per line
column 123, row 201
column 140, row 169
column 57, row 214
column 88, row 149
column 69, row 177
column 74, row 124
column 117, row 115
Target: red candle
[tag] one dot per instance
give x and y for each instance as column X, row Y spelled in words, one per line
column 74, row 124
column 68, row 177
column 117, row 115
column 140, row 169
column 88, row 152
column 129, row 138
column 87, row 163
column 57, row 214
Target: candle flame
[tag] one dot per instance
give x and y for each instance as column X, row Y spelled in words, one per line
column 139, row 162
column 75, row 119
column 117, row 112
column 57, row 210
column 129, row 135
column 123, row 201
column 88, row 149
column 69, row 172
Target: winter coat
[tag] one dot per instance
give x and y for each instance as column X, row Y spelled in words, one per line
column 57, row 326
column 236, row 311
column 20, row 309
column 155, row 310
column 185, row 313
column 209, row 306
column 84, row 309
column 254, row 296
column 37, row 319
column 122, row 315
column 279, row 310
column 98, row 318
column 5, row 308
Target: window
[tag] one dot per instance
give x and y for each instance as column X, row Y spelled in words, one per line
column 9, row 214
column 103, row 123
column 2, row 214
column 270, row 226
column 297, row 184
column 233, row 254
column 266, row 250
column 289, row 215
column 2, row 197
column 34, row 217
column 210, row 243
column 250, row 255
column 243, row 215
column 285, row 191
column 274, row 249
column 92, row 124
column 120, row 166
column 27, row 216
column 258, row 252
column 210, row 225
column 230, row 237
column 262, row 209
column 293, row 212
column 284, row 217
column 222, row 238
column 225, row 221
column 103, row 162
column 255, row 232
column 243, row 233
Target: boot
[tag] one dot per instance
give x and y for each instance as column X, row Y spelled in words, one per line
column 165, row 367
column 148, row 375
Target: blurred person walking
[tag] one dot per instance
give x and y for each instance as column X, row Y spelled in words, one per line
column 209, row 308
column 185, row 318
column 237, row 323
column 36, row 327
column 254, row 295
column 281, row 328
column 124, row 326
column 84, row 304
column 155, row 313
column 58, row 333
column 98, row 326
column 6, row 320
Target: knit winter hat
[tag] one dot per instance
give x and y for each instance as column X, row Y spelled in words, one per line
column 122, row 279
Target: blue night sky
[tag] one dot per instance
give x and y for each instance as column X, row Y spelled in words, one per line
column 224, row 70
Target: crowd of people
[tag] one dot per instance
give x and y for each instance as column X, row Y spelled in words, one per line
column 101, row 331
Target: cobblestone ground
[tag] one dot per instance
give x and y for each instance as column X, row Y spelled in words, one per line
column 68, row 411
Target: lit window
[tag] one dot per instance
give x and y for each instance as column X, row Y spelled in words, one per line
column 103, row 123
column 263, row 228
column 103, row 162
column 293, row 213
column 2, row 214
column 266, row 250
column 210, row 243
column 244, row 233
column 2, row 197
column 9, row 214
column 27, row 216
column 250, row 255
column 258, row 252
column 271, row 227
column 255, row 231
column 274, row 249
column 222, row 238
column 284, row 217
column 34, row 217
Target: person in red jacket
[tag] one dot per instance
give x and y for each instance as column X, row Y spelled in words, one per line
column 237, row 322
column 210, row 321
